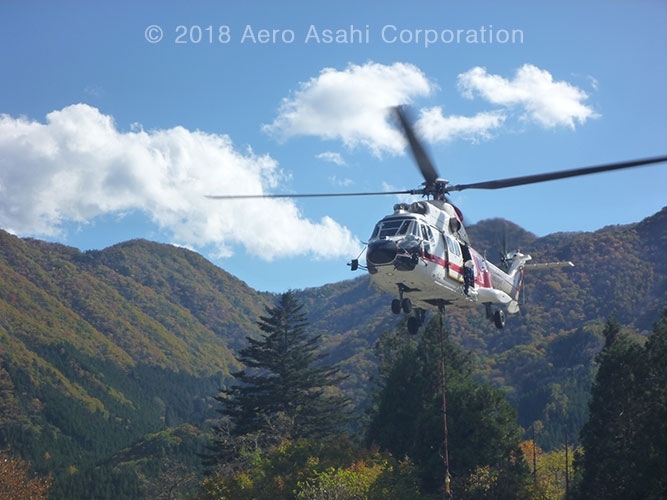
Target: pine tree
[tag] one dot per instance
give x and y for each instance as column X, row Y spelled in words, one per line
column 625, row 448
column 285, row 390
column 652, row 445
column 611, row 425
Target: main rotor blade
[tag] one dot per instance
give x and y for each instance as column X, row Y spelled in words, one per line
column 563, row 174
column 311, row 195
column 423, row 161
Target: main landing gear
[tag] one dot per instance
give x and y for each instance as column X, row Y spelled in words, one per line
column 403, row 304
column 497, row 316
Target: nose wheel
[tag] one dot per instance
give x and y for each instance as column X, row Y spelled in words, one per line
column 398, row 305
column 401, row 303
column 404, row 304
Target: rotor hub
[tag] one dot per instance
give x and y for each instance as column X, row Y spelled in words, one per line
column 437, row 188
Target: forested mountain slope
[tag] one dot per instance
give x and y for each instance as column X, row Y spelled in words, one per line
column 98, row 349
column 103, row 349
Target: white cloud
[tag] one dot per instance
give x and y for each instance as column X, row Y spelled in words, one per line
column 533, row 90
column 336, row 181
column 352, row 105
column 78, row 165
column 595, row 85
column 332, row 157
column 434, row 126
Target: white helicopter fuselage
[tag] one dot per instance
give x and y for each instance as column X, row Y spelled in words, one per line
column 420, row 252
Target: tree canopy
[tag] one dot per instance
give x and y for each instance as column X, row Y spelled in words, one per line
column 16, row 481
column 285, row 391
column 483, row 435
column 625, row 438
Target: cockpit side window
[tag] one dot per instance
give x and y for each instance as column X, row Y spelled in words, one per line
column 427, row 234
column 412, row 228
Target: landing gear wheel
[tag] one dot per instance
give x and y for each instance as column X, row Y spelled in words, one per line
column 406, row 305
column 499, row 318
column 396, row 306
column 413, row 325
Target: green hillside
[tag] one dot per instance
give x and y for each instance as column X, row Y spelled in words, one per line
column 97, row 351
column 109, row 359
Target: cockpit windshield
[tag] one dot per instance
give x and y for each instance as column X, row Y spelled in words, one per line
column 395, row 227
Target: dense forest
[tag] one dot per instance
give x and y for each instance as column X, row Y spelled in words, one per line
column 111, row 360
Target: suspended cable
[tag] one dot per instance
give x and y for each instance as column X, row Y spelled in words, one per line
column 443, row 380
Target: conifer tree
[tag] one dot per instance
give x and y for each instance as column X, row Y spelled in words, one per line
column 652, row 446
column 624, row 440
column 612, row 424
column 285, row 390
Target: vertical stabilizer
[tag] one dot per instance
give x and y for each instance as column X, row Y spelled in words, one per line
column 517, row 262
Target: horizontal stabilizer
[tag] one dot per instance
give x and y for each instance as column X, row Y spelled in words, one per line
column 549, row 265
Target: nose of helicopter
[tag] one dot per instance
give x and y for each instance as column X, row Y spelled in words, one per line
column 381, row 252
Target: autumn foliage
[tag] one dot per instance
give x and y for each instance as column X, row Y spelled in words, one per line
column 17, row 482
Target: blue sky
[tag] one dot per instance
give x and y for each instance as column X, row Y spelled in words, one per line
column 109, row 134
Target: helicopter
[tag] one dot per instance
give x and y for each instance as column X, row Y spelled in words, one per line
column 421, row 252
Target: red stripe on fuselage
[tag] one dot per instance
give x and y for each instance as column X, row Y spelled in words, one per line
column 482, row 274
column 438, row 261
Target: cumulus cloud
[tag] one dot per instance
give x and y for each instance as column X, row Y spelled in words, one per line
column 434, row 126
column 352, row 105
column 533, row 91
column 78, row 165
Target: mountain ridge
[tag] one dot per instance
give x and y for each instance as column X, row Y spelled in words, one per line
column 99, row 349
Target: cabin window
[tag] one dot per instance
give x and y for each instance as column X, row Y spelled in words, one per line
column 453, row 247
